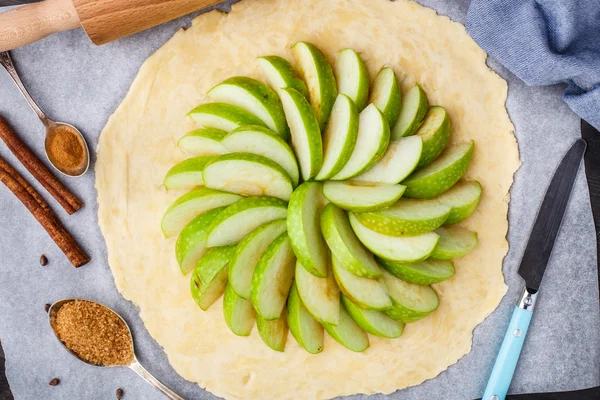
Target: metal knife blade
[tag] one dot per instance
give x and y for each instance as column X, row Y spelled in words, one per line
column 549, row 218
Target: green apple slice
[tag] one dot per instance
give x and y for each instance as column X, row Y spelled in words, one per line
column 254, row 97
column 241, row 218
column 273, row 278
column 361, row 196
column 454, row 242
column 463, row 198
column 249, row 175
column 426, row 272
column 339, row 137
column 187, row 174
column 192, row 204
column 239, row 313
column 367, row 293
column 374, row 322
column 320, row 296
column 191, row 242
column 352, row 77
column 305, row 329
column 210, row 276
column 411, row 302
column 435, row 132
column 248, row 253
column 412, row 111
column 398, row 162
column 441, row 174
column 262, row 141
column 318, row 75
column 280, row 74
column 344, row 244
column 397, row 248
column 273, row 332
column 371, row 143
column 304, row 229
column 306, row 134
column 203, row 142
column 348, row 333
column 223, row 116
column 386, row 95
column 408, row 217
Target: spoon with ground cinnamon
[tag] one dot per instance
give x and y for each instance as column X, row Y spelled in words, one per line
column 98, row 336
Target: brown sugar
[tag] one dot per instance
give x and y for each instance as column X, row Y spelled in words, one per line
column 94, row 333
column 65, row 148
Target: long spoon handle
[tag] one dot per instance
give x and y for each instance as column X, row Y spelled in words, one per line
column 141, row 371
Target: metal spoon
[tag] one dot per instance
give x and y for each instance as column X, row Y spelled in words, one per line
column 135, row 364
column 51, row 126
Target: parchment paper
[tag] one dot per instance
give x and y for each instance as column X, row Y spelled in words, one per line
column 82, row 84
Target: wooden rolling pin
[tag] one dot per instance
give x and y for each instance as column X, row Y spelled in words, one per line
column 102, row 20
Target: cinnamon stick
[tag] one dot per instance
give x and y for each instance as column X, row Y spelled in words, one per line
column 40, row 172
column 38, row 207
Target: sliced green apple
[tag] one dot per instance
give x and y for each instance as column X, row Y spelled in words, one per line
column 280, row 74
column 463, row 198
column 411, row 302
column 412, row 111
column 344, row 244
column 249, row 175
column 318, row 75
column 408, row 217
column 254, row 97
column 339, row 137
column 366, row 292
column 241, row 218
column 306, row 134
column 203, row 142
column 455, row 242
column 386, row 95
column 320, row 296
column 239, row 313
column 262, row 141
column 398, row 162
column 435, row 132
column 192, row 204
column 305, row 329
column 352, row 77
column 426, row 272
column 441, row 174
column 273, row 332
column 210, row 276
column 361, row 196
column 371, row 143
column 348, row 333
column 187, row 174
column 248, row 253
column 273, row 278
column 374, row 322
column 223, row 116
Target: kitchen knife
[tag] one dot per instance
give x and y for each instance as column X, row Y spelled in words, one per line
column 533, row 264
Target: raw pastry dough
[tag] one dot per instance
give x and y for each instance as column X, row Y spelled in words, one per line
column 138, row 146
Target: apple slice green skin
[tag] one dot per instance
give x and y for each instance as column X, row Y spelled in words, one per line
column 210, row 276
column 366, row 292
column 435, row 132
column 386, row 95
column 320, row 80
column 223, row 116
column 262, row 141
column 352, row 77
column 306, row 134
column 463, row 198
column 281, row 74
column 411, row 302
column 348, row 333
column 306, row 330
column 373, row 322
column 187, row 174
column 192, row 204
column 320, row 296
column 254, row 97
column 203, row 142
column 455, row 242
column 427, row 272
column 274, row 332
column 239, row 313
column 361, row 197
column 339, row 137
column 412, row 111
column 273, row 278
column 408, row 217
column 191, row 242
column 234, row 223
column 304, row 229
column 344, row 244
column 248, row 253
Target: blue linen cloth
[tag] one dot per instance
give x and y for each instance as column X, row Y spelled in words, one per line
column 545, row 42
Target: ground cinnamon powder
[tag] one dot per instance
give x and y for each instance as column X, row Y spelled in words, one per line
column 65, row 148
column 94, row 333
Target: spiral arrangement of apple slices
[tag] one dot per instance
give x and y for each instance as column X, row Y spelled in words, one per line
column 320, row 202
